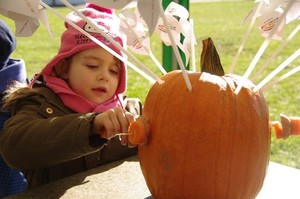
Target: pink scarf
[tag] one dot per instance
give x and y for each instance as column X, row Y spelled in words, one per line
column 76, row 102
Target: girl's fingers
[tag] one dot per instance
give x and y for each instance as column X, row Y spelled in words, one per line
column 123, row 139
column 124, row 118
column 115, row 121
column 112, row 122
column 130, row 117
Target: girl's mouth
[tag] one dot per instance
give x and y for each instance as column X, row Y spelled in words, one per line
column 101, row 90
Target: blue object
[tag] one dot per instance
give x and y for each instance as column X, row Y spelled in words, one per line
column 57, row 3
column 11, row 181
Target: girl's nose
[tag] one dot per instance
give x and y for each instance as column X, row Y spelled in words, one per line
column 102, row 75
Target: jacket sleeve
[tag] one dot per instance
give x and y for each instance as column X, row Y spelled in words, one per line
column 41, row 135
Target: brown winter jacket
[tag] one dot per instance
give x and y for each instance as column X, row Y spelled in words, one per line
column 48, row 141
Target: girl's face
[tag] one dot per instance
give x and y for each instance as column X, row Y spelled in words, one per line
column 94, row 74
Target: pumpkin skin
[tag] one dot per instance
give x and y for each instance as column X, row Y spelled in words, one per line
column 205, row 143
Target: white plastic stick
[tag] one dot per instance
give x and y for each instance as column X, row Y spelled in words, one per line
column 141, row 66
column 286, row 75
column 143, row 45
column 283, row 44
column 193, row 56
column 277, row 70
column 264, row 46
column 231, row 69
column 175, row 49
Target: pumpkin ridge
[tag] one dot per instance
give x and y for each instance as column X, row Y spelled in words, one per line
column 231, row 117
column 161, row 112
column 218, row 139
column 248, row 152
column 236, row 136
column 186, row 147
column 224, row 182
column 183, row 181
column 223, row 120
column 155, row 89
column 245, row 171
column 187, row 157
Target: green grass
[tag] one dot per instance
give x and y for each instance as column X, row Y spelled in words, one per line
column 223, row 23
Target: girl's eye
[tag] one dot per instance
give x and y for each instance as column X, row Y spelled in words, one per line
column 92, row 66
column 114, row 71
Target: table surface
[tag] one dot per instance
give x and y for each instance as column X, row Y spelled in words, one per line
column 124, row 180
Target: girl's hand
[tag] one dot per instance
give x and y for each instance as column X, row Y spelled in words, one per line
column 112, row 122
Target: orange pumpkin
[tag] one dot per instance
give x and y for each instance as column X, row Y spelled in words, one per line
column 208, row 142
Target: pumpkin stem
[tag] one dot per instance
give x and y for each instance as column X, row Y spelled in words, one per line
column 210, row 60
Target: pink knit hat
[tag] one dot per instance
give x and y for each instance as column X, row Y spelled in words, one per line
column 72, row 41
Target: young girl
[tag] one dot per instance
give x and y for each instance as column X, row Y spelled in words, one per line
column 68, row 119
